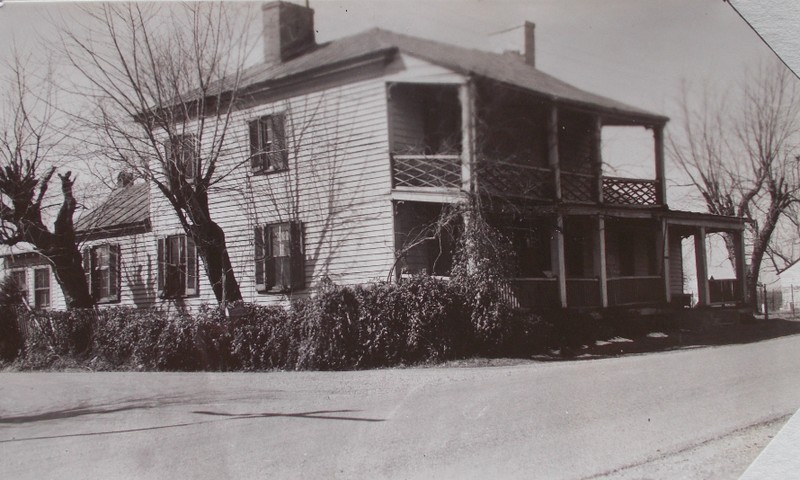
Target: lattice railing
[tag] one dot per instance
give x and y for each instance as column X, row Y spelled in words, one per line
column 629, row 191
column 515, row 180
column 577, row 187
column 438, row 171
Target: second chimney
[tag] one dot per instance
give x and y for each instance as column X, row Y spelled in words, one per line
column 530, row 43
column 288, row 31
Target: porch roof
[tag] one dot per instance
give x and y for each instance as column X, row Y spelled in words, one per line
column 504, row 68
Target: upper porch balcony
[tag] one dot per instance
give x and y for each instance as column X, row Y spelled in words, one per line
column 513, row 146
column 522, row 181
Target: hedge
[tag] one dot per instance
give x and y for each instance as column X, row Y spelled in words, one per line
column 419, row 319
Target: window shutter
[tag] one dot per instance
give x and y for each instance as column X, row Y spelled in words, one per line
column 269, row 259
column 87, row 268
column 279, row 154
column 298, row 257
column 162, row 267
column 255, row 146
column 189, row 157
column 113, row 272
column 258, row 258
column 191, row 267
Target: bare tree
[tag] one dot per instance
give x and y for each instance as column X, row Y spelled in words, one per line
column 742, row 157
column 163, row 80
column 27, row 149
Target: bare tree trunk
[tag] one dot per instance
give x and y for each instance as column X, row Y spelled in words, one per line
column 211, row 247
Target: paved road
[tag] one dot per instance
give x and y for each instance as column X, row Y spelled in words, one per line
column 541, row 420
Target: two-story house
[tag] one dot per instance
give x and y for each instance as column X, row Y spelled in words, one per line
column 349, row 148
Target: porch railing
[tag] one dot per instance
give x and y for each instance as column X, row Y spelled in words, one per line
column 583, row 292
column 515, row 179
column 577, row 187
column 635, row 290
column 723, row 290
column 431, row 171
column 629, row 191
column 533, row 293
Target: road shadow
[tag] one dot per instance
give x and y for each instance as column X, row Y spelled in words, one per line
column 221, row 417
column 317, row 415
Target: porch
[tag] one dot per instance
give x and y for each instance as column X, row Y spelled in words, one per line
column 510, row 144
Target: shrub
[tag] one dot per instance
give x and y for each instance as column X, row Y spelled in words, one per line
column 11, row 300
column 263, row 338
column 53, row 334
column 327, row 328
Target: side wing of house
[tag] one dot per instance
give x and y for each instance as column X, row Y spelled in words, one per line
column 35, row 277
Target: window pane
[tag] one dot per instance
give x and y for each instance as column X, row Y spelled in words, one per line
column 281, row 240
column 41, row 278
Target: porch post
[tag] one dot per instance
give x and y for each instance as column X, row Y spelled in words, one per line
column 741, row 266
column 552, row 150
column 663, row 251
column 560, row 264
column 466, row 97
column 702, row 266
column 661, row 177
column 597, row 169
column 600, row 259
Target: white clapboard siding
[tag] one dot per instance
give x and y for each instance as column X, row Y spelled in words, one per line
column 138, row 269
column 338, row 185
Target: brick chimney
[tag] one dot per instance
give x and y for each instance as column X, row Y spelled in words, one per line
column 288, row 31
column 530, row 43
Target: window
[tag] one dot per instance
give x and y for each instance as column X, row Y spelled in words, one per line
column 268, row 144
column 101, row 264
column 177, row 267
column 280, row 265
column 21, row 280
column 41, row 287
column 182, row 157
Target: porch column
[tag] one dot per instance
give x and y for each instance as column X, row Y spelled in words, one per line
column 558, row 257
column 597, row 168
column 466, row 97
column 552, row 150
column 600, row 259
column 663, row 251
column 702, row 265
column 741, row 265
column 661, row 177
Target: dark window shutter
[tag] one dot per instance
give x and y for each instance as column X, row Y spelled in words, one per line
column 162, row 267
column 269, row 260
column 191, row 267
column 258, row 258
column 87, row 267
column 256, row 156
column 298, row 277
column 279, row 155
column 113, row 272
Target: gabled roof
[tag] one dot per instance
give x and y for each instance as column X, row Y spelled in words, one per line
column 126, row 208
column 507, row 69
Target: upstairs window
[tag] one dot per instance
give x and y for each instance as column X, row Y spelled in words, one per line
column 101, row 264
column 182, row 157
column 279, row 261
column 41, row 287
column 177, row 267
column 268, row 144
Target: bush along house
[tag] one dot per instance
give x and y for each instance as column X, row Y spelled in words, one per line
column 348, row 149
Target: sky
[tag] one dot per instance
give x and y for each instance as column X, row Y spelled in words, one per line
column 639, row 52
column 636, row 51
